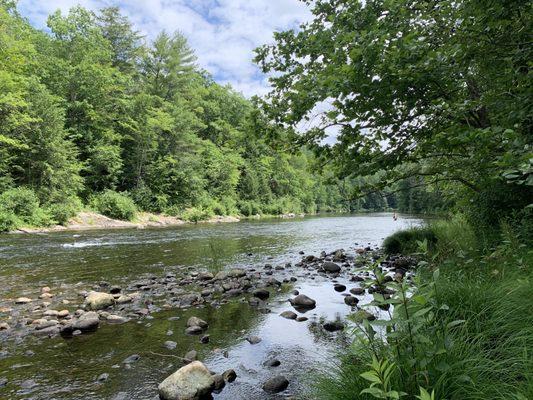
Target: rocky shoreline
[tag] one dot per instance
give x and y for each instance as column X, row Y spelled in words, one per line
column 55, row 312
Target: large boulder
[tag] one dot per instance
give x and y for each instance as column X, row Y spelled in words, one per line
column 276, row 384
column 330, row 266
column 99, row 300
column 302, row 301
column 191, row 382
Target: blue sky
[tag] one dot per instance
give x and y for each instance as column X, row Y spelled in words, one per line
column 222, row 32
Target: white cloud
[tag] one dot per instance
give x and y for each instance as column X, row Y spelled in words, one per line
column 223, row 32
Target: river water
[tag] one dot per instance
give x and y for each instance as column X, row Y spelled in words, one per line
column 57, row 368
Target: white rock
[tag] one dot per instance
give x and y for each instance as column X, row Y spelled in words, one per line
column 23, row 300
column 99, row 300
column 190, row 382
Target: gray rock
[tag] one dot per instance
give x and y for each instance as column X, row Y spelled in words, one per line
column 357, row 291
column 339, row 288
column 302, row 301
column 330, row 266
column 103, row 377
column 276, row 384
column 289, row 315
column 191, row 382
column 169, row 344
column 131, row 359
column 253, row 339
column 99, row 300
column 351, row 301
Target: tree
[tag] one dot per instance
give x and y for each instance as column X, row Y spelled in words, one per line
column 442, row 86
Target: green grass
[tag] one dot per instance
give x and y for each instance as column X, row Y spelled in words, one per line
column 474, row 343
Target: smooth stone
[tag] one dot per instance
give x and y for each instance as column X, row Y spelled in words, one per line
column 195, row 321
column 289, row 315
column 102, row 377
column 276, row 384
column 204, row 339
column 116, row 319
column 193, row 330
column 351, row 301
column 302, row 319
column 99, row 300
column 303, row 301
column 253, row 339
column 339, row 288
column 357, row 291
column 131, row 359
column 169, row 344
column 330, row 266
column 191, row 382
column 191, row 355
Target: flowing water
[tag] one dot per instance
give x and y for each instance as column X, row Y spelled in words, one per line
column 57, row 368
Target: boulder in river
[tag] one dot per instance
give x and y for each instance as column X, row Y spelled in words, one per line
column 191, row 382
column 302, row 301
column 330, row 266
column 289, row 315
column 229, row 375
column 333, row 326
column 351, row 301
column 253, row 339
column 357, row 291
column 195, row 321
column 276, row 384
column 99, row 300
column 339, row 288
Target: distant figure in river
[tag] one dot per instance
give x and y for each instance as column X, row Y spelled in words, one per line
column 395, row 217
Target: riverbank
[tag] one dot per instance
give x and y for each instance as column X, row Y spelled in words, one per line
column 91, row 220
column 463, row 332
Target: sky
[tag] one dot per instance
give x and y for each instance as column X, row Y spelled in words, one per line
column 222, row 32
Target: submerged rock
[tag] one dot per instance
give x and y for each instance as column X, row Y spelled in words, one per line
column 191, row 382
column 253, row 339
column 261, row 294
column 276, row 384
column 289, row 315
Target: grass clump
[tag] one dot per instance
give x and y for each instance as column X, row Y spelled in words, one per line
column 196, row 214
column 405, row 242
column 464, row 330
column 115, row 205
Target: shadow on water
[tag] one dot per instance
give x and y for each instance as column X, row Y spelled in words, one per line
column 72, row 261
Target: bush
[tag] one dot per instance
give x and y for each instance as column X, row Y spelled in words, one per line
column 405, row 242
column 115, row 205
column 249, row 208
column 196, row 214
column 20, row 206
column 61, row 213
column 8, row 221
column 22, row 202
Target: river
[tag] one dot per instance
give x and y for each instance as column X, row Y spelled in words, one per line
column 67, row 262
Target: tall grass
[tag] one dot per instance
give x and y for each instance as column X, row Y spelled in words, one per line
column 465, row 332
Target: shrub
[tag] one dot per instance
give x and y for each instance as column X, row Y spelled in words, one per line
column 405, row 242
column 22, row 202
column 115, row 205
column 61, row 213
column 249, row 208
column 196, row 214
column 8, row 221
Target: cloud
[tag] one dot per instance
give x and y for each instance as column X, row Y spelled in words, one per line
column 223, row 33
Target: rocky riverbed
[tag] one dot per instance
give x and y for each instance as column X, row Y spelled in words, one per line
column 73, row 311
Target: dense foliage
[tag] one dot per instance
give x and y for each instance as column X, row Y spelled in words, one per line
column 90, row 107
column 438, row 92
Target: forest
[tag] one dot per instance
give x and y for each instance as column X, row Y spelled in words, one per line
column 95, row 115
